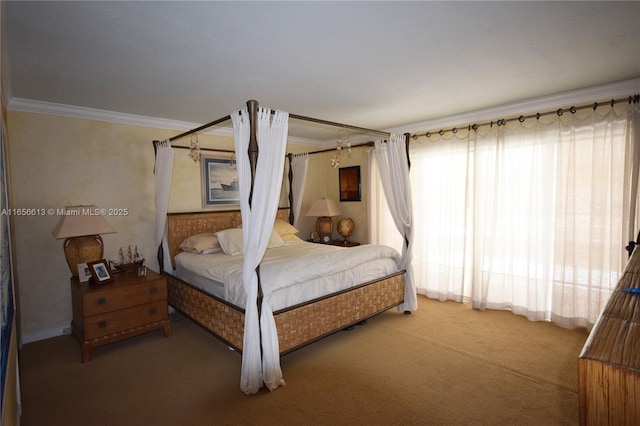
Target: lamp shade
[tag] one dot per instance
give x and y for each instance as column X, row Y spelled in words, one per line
column 81, row 227
column 324, row 207
column 79, row 221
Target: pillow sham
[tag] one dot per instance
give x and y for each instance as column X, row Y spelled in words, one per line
column 291, row 237
column 284, row 228
column 231, row 241
column 198, row 243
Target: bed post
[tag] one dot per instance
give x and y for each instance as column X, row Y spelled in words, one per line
column 252, row 108
column 290, row 175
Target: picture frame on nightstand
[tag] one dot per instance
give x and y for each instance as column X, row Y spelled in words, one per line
column 99, row 272
column 84, row 273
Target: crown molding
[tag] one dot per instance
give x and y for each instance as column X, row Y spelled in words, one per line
column 63, row 110
column 566, row 99
column 561, row 100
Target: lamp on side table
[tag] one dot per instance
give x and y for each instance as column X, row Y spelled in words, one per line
column 81, row 227
column 324, row 209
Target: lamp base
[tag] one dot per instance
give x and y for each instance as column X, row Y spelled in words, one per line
column 324, row 227
column 79, row 250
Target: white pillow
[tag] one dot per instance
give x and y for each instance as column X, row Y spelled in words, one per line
column 200, row 242
column 231, row 241
column 211, row 250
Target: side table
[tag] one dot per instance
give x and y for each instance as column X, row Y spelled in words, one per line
column 128, row 306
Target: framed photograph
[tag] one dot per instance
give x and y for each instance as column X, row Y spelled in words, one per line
column 84, row 273
column 219, row 175
column 100, row 272
column 350, row 183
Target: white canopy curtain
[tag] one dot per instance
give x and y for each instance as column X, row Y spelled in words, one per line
column 163, row 171
column 299, row 165
column 529, row 217
column 257, row 225
column 393, row 168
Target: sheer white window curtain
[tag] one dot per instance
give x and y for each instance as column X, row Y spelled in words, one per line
column 529, row 217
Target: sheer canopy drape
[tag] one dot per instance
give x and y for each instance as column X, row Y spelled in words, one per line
column 532, row 217
column 393, row 168
column 261, row 354
column 299, row 165
column 163, row 171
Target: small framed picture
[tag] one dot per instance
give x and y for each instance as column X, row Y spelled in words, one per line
column 100, row 271
column 84, row 273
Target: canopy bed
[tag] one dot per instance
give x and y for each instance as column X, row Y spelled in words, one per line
column 259, row 301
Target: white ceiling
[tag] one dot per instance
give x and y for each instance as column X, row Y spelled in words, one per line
column 371, row 64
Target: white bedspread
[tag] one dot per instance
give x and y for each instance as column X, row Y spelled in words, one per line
column 295, row 272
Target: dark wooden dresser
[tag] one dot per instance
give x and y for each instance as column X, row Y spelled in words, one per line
column 609, row 366
column 128, row 306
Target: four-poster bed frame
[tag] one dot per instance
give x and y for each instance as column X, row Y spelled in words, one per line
column 296, row 325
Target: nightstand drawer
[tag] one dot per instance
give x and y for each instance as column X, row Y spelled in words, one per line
column 102, row 325
column 114, row 299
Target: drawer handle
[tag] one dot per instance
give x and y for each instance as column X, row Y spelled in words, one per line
column 102, row 301
column 102, row 324
column 154, row 311
column 153, row 290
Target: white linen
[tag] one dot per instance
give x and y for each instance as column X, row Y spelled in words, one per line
column 299, row 165
column 163, row 171
column 258, row 205
column 393, row 166
column 295, row 272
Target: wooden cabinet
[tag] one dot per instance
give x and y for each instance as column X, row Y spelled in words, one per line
column 609, row 366
column 343, row 243
column 128, row 306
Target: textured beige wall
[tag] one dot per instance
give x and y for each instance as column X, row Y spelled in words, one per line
column 322, row 181
column 57, row 162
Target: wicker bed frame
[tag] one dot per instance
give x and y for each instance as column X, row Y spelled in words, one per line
column 297, row 325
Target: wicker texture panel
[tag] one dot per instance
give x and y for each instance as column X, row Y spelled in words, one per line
column 307, row 323
column 609, row 367
column 221, row 319
column 297, row 326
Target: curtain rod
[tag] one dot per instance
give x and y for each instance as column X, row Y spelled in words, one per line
column 205, row 149
column 312, row 152
column 357, row 145
column 295, row 116
column 521, row 118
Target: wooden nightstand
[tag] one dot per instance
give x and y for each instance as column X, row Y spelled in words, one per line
column 344, row 243
column 128, row 306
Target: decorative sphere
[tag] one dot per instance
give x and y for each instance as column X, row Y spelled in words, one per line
column 346, row 227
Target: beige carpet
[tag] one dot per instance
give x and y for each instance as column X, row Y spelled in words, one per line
column 444, row 365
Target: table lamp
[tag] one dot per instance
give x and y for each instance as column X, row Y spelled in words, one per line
column 81, row 227
column 324, row 209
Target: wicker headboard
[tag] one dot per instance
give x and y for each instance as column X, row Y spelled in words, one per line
column 183, row 225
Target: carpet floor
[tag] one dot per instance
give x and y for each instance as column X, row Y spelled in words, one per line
column 445, row 364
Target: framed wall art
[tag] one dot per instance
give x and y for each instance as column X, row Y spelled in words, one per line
column 349, row 178
column 219, row 175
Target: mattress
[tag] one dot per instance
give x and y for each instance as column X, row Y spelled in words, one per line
column 293, row 273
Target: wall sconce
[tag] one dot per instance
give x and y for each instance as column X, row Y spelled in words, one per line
column 324, row 209
column 81, row 227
